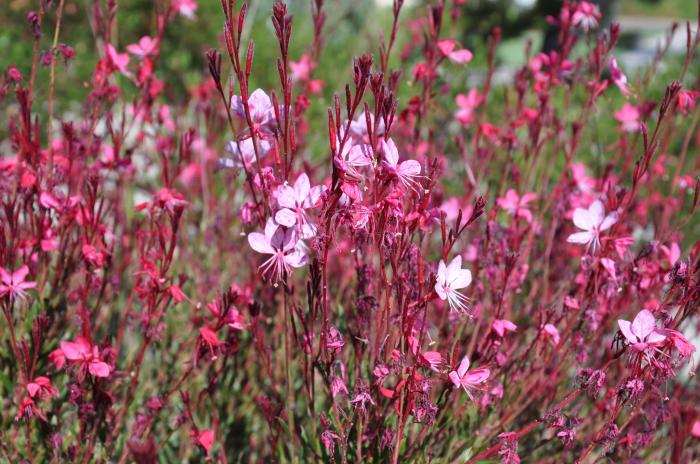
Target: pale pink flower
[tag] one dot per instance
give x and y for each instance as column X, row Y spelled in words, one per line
column 593, row 221
column 501, row 326
column 551, row 331
column 641, row 333
column 629, row 118
column 262, row 112
column 447, row 48
column 145, row 46
column 243, row 153
column 282, row 243
column 516, row 205
column 467, row 105
column 450, row 279
column 619, row 78
column 294, row 202
column 81, row 352
column 353, row 157
column 586, row 16
column 185, row 7
column 358, row 127
column 584, row 182
column 462, row 377
column 406, row 171
column 14, row 285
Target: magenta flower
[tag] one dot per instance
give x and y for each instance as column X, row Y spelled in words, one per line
column 14, row 285
column 629, row 118
column 284, row 246
column 641, row 333
column 619, row 78
column 450, row 279
column 120, row 61
column 87, row 356
column 262, row 112
column 517, row 205
column 468, row 380
column 551, row 331
column 295, row 201
column 593, row 221
column 586, row 16
column 353, row 157
column 406, row 171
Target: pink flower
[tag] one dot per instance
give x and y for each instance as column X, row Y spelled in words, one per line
column 41, row 387
column 468, row 380
column 353, row 157
column 517, row 205
column 407, row 171
column 120, row 61
column 243, row 153
column 696, row 429
column 586, row 16
column 301, row 70
column 82, row 353
column 450, row 279
column 593, row 221
column 686, row 100
column 641, row 332
column 619, row 78
column 358, row 128
column 203, row 438
column 262, row 113
column 145, row 46
column 680, row 343
column 584, row 182
column 447, row 48
column 185, row 7
column 628, row 116
column 467, row 106
column 282, row 243
column 295, row 201
column 552, row 333
column 14, row 285
column 501, row 326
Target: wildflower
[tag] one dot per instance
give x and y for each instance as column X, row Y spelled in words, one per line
column 686, row 100
column 185, row 7
column 517, row 205
column 203, row 438
column 41, row 387
column 243, row 153
column 82, row 353
column 450, row 279
column 29, row 409
column 468, row 380
column 467, row 105
column 678, row 340
column 593, row 221
column 352, row 157
column 361, row 397
column 301, row 70
column 358, row 128
column 119, row 61
column 551, row 331
column 284, row 246
column 295, row 201
column 501, row 326
column 14, row 285
column 641, row 333
column 447, row 48
column 407, row 171
column 586, row 16
column 629, row 118
column 619, row 78
column 262, row 113
column 144, row 47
